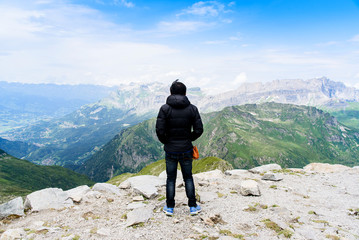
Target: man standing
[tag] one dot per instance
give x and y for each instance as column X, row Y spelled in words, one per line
column 178, row 124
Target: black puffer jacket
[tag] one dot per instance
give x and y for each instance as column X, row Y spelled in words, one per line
column 178, row 124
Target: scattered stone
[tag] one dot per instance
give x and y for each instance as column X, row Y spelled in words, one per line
column 138, row 198
column 139, row 215
column 13, row 207
column 212, row 220
column 76, row 194
column 104, row 232
column 207, row 196
column 249, row 188
column 49, row 198
column 272, row 177
column 203, row 183
column 135, row 205
column 325, row 168
column 125, row 185
column 236, row 172
column 106, row 187
column 197, row 229
column 11, row 234
column 265, row 168
column 93, row 195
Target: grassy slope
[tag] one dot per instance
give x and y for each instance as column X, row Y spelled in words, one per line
column 252, row 135
column 202, row 165
column 348, row 115
column 20, row 177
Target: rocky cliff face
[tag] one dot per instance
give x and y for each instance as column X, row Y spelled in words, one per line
column 314, row 92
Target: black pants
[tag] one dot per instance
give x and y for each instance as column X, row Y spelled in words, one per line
column 185, row 160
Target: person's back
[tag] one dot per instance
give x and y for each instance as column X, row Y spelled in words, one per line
column 178, row 124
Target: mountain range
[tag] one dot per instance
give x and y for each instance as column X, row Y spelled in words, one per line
column 246, row 136
column 23, row 104
column 74, row 138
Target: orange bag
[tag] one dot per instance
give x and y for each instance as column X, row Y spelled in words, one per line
column 195, row 152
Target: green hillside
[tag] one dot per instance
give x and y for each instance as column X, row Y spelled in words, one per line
column 198, row 166
column 20, row 177
column 129, row 151
column 246, row 136
column 347, row 114
column 290, row 135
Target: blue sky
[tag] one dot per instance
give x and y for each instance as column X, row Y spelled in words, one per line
column 217, row 45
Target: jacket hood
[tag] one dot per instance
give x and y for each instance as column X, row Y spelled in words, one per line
column 178, row 101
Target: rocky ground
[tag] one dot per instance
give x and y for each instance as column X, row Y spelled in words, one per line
column 320, row 202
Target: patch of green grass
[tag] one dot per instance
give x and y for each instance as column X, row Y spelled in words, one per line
column 229, row 233
column 273, row 186
column 250, row 209
column 286, row 233
column 272, row 225
column 161, row 198
column 333, row 237
column 326, row 223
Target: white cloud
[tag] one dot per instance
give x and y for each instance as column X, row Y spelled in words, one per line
column 124, row 3
column 354, row 39
column 241, row 78
column 182, row 26
column 204, row 9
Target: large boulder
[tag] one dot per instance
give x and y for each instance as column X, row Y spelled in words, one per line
column 76, row 194
column 272, row 177
column 210, row 175
column 13, row 207
column 146, row 185
column 106, row 188
column 49, row 198
column 265, row 168
column 139, row 215
column 249, row 188
column 325, row 168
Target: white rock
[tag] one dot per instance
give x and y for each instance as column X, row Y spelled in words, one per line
column 125, row 185
column 236, row 172
column 249, row 187
column 147, row 179
column 207, row 196
column 13, row 207
column 146, row 185
column 147, row 190
column 138, row 198
column 272, row 177
column 138, row 215
column 12, row 234
column 104, row 232
column 76, row 194
column 93, row 195
column 107, row 188
column 135, row 205
column 265, row 168
column 210, row 175
column 47, row 199
column 325, row 168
